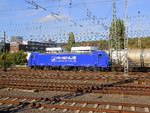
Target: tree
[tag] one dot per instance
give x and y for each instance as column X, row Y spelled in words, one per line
column 8, row 59
column 117, row 34
column 71, row 41
column 5, row 60
column 19, row 58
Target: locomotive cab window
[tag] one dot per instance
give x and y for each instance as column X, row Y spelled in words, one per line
column 100, row 56
column 33, row 56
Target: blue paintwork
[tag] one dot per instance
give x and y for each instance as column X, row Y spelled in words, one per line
column 93, row 59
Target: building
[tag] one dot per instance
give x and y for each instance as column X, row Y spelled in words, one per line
column 17, row 39
column 15, row 47
column 37, row 46
column 31, row 46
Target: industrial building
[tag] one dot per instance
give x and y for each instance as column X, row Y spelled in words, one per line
column 30, row 46
column 17, row 39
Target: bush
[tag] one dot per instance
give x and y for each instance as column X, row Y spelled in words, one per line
column 9, row 59
column 5, row 60
column 19, row 58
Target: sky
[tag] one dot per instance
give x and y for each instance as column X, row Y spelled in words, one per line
column 88, row 19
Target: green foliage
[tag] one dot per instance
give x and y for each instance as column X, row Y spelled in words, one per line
column 101, row 44
column 117, row 34
column 133, row 43
column 145, row 42
column 71, row 41
column 9, row 59
column 19, row 58
column 5, row 60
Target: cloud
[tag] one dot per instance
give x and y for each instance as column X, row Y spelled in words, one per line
column 52, row 17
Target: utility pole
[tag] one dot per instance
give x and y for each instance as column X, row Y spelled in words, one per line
column 116, row 40
column 114, row 10
column 140, row 41
column 111, row 41
column 4, row 51
column 4, row 42
column 139, row 38
column 126, row 64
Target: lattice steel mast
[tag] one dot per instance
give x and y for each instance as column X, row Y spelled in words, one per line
column 126, row 64
column 111, row 41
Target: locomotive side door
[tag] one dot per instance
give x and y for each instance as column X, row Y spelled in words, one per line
column 103, row 60
column 96, row 61
column 99, row 56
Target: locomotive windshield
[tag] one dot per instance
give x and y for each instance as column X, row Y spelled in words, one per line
column 100, row 56
column 33, row 56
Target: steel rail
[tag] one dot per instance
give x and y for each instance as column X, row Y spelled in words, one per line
column 113, row 91
column 75, row 85
column 42, row 104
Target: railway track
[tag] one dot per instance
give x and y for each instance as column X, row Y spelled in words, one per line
column 57, row 82
column 74, row 83
column 69, row 73
column 61, row 71
column 80, row 87
column 76, row 106
column 56, row 76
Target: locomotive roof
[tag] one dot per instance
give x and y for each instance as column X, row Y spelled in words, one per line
column 67, row 52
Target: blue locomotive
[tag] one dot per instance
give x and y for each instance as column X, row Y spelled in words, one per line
column 94, row 59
